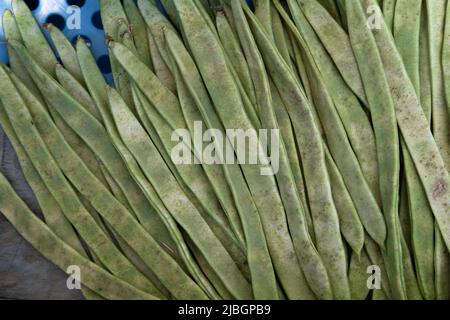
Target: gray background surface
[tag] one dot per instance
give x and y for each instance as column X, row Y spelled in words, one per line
column 24, row 272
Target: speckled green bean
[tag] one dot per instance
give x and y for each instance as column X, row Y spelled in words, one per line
column 388, row 145
column 61, row 254
column 66, row 52
column 33, row 37
column 60, row 188
column 415, row 130
column 261, row 269
column 329, row 242
column 180, row 207
column 337, row 43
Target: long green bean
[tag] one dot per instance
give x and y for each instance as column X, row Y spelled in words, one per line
column 60, row 188
column 66, row 52
column 225, row 95
column 415, row 130
column 33, row 37
column 354, row 119
column 260, row 264
column 174, row 198
column 407, row 33
column 337, row 43
column 310, row 145
column 52, row 247
column 388, row 145
column 308, row 256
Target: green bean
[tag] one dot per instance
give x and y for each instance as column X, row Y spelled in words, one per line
column 356, row 122
column 300, row 67
column 385, row 125
column 39, row 44
column 358, row 275
column 262, row 274
column 59, row 187
column 446, row 57
column 33, row 37
column 121, row 220
column 404, row 214
column 347, row 162
column 171, row 11
column 209, row 272
column 66, row 52
column 282, row 38
column 379, row 295
column 53, row 215
column 156, row 23
column 57, row 251
column 407, row 34
column 336, row 42
column 415, row 130
column 208, row 19
column 341, row 7
column 195, row 183
column 234, row 51
column 111, row 12
column 425, row 65
column 226, row 8
column 140, row 101
column 12, row 32
column 287, row 132
column 442, row 267
column 124, row 36
column 389, row 12
column 307, row 254
column 115, row 189
column 225, row 95
column 139, row 30
column 193, row 176
column 310, row 145
column 331, row 7
column 89, row 67
column 39, row 112
column 215, row 174
column 441, row 117
column 174, row 198
column 156, row 201
column 95, row 137
column 248, row 105
column 78, row 92
column 263, row 14
column 411, row 283
column 350, row 223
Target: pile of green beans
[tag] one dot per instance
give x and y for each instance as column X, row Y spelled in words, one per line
column 358, row 92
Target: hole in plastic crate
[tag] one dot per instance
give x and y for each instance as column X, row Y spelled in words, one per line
column 97, row 20
column 104, row 64
column 78, row 3
column 56, row 20
column 85, row 38
column 32, row 4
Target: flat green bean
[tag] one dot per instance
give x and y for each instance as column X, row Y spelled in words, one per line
column 388, row 145
column 57, row 251
column 260, row 264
